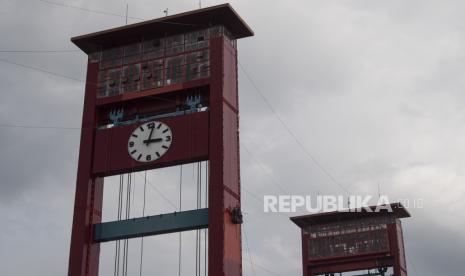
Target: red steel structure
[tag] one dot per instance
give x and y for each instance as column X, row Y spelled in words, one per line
column 174, row 80
column 337, row 242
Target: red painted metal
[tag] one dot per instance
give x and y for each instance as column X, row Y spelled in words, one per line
column 224, row 193
column 190, row 144
column 383, row 229
column 154, row 92
column 208, row 135
column 84, row 255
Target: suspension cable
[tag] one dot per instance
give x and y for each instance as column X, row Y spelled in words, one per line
column 130, row 199
column 206, row 206
column 200, row 206
column 128, row 217
column 180, row 233
column 118, row 243
column 143, row 215
column 197, row 231
column 133, row 179
column 128, row 214
column 125, row 216
column 252, row 265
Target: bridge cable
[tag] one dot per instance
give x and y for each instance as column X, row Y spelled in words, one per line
column 196, row 179
column 128, row 214
column 143, row 215
column 199, row 205
column 125, row 217
column 118, row 243
column 206, row 206
column 180, row 209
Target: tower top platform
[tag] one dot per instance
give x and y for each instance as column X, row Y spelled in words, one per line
column 166, row 26
column 398, row 211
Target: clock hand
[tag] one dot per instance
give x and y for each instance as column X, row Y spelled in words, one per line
column 150, row 136
column 149, row 141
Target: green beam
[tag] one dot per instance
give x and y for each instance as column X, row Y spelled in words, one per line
column 153, row 225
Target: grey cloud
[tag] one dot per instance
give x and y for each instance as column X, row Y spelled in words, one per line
column 373, row 89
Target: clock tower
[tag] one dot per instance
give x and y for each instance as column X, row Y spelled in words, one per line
column 162, row 93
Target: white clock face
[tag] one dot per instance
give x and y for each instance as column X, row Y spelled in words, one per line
column 149, row 141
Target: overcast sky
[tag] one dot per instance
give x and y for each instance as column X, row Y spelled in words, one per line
column 374, row 90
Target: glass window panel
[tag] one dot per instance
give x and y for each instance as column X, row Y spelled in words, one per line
column 227, row 34
column 204, row 69
column 348, row 237
column 95, row 56
column 196, row 40
column 174, row 44
column 174, row 69
column 154, row 48
column 102, row 85
column 132, row 53
column 111, row 57
column 130, row 80
column 216, row 31
column 152, row 74
column 113, row 81
column 197, row 65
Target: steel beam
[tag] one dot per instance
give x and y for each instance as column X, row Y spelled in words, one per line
column 149, row 226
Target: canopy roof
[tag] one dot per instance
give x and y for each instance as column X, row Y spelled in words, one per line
column 398, row 210
column 170, row 25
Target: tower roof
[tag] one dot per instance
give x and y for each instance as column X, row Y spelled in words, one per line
column 398, row 210
column 169, row 25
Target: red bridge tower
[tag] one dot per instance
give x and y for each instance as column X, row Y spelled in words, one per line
column 161, row 93
column 337, row 243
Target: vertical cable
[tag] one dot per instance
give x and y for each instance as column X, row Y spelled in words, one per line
column 199, row 181
column 133, row 178
column 128, row 217
column 143, row 215
column 117, row 243
column 125, row 216
column 206, row 206
column 250, row 254
column 200, row 184
column 200, row 206
column 180, row 233
column 196, row 231
column 128, row 214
